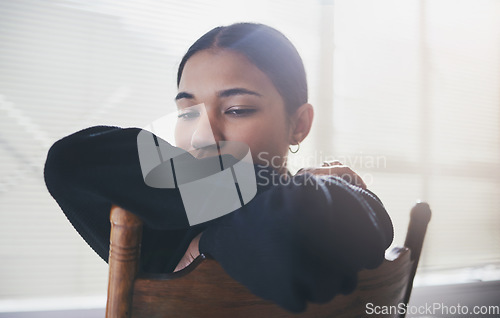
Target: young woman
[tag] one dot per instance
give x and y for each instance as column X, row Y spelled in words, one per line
column 299, row 241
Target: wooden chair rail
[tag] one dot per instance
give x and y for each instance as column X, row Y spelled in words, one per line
column 203, row 289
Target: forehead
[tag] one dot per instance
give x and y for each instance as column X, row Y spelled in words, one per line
column 212, row 70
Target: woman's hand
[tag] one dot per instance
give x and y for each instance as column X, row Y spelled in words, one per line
column 191, row 253
column 336, row 168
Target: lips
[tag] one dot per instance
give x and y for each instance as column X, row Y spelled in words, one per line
column 208, row 151
column 210, row 184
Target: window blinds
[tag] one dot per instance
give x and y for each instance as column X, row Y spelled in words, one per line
column 414, row 108
column 67, row 65
column 418, row 83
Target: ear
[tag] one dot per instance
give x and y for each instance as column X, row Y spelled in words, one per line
column 301, row 123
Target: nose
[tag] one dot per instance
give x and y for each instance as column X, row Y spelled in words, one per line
column 205, row 134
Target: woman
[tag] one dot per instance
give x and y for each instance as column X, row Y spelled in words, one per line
column 294, row 242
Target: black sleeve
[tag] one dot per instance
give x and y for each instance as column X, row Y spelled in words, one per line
column 301, row 241
column 89, row 170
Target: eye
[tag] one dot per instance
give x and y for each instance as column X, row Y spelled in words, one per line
column 188, row 115
column 240, row 111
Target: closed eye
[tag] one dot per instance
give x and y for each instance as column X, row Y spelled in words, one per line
column 188, row 115
column 240, row 111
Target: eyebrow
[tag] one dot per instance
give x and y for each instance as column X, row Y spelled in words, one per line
column 182, row 95
column 237, row 91
column 221, row 94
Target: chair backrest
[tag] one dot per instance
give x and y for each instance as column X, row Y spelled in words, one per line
column 203, row 289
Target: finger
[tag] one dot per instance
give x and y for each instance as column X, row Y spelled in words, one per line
column 327, row 170
column 351, row 177
column 331, row 163
column 343, row 172
column 304, row 170
column 337, row 170
column 315, row 171
column 301, row 171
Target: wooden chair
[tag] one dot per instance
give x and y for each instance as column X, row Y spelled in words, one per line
column 203, row 289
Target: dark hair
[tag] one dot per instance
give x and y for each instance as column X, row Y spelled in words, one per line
column 266, row 48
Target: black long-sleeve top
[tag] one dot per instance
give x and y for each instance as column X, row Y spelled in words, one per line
column 294, row 242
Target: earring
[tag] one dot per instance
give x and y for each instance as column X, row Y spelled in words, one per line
column 298, row 147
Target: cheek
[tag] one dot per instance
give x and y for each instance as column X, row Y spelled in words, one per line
column 182, row 136
column 263, row 139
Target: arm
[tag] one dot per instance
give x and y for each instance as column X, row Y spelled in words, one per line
column 333, row 168
column 91, row 169
column 301, row 242
column 280, row 245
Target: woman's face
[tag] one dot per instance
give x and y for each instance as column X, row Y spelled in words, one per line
column 240, row 103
